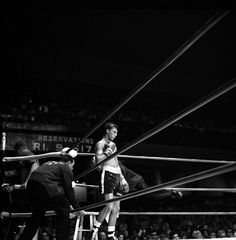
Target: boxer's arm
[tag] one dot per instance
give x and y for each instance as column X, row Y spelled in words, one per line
column 99, row 153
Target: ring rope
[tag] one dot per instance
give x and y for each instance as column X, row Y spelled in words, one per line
column 86, row 185
column 57, row 154
column 203, row 101
column 177, row 159
column 233, row 190
column 187, row 179
column 53, row 213
column 24, row 158
column 175, row 188
column 24, row 214
column 19, row 187
column 197, row 35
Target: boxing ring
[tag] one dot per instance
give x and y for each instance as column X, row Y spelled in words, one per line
column 225, row 166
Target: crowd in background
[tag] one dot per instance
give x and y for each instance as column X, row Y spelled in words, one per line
column 163, row 227
column 160, row 227
column 210, row 127
column 148, row 110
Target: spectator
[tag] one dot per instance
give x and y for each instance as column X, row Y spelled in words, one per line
column 229, row 232
column 175, row 236
column 120, row 236
column 221, row 233
column 212, row 235
column 197, row 234
column 102, row 235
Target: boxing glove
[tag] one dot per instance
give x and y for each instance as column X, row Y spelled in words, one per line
column 109, row 148
column 6, row 187
column 124, row 185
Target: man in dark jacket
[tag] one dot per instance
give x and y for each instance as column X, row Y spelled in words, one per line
column 50, row 185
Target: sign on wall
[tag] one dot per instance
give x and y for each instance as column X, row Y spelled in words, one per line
column 48, row 142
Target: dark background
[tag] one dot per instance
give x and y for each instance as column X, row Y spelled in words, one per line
column 99, row 53
column 58, row 51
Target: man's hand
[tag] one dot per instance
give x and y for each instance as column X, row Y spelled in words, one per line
column 76, row 213
column 6, row 187
column 73, row 184
column 80, row 213
column 23, row 185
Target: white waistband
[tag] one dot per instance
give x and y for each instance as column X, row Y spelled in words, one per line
column 111, row 169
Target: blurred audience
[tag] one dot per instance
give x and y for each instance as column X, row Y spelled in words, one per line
column 142, row 113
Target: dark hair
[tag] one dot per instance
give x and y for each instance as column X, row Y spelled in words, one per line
column 19, row 145
column 110, row 125
column 65, row 157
